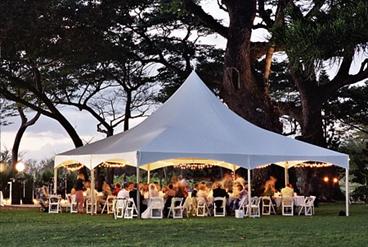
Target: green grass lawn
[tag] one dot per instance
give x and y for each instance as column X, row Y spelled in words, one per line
column 32, row 228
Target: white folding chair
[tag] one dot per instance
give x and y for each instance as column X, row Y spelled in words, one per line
column 255, row 210
column 118, row 209
column 307, row 206
column 130, row 209
column 202, row 208
column 156, row 205
column 73, row 204
column 108, row 205
column 312, row 203
column 243, row 203
column 267, row 206
column 54, row 204
column 176, row 208
column 221, row 210
column 287, row 206
column 90, row 207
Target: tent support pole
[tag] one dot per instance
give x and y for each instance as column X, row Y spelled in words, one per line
column 347, row 191
column 249, row 187
column 138, row 195
column 149, row 175
column 93, row 191
column 249, row 192
column 286, row 174
column 55, row 181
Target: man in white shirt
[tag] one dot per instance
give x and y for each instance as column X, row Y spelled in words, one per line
column 124, row 193
column 288, row 191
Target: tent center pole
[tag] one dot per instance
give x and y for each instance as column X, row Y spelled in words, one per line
column 347, row 191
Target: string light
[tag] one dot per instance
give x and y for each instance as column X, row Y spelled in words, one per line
column 303, row 165
column 193, row 166
column 74, row 167
column 326, row 179
column 112, row 165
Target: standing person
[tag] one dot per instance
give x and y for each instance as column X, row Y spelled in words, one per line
column 269, row 189
column 227, row 182
column 79, row 193
column 133, row 194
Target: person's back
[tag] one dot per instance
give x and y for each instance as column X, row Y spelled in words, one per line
column 220, row 192
column 124, row 193
column 288, row 191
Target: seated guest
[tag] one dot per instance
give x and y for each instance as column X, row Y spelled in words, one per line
column 270, row 187
column 87, row 185
column 124, row 193
column 195, row 190
column 239, row 179
column 73, row 190
column 202, row 193
column 288, row 191
column 117, row 188
column 181, row 193
column 241, row 196
column 169, row 194
column 218, row 191
column 152, row 192
column 106, row 189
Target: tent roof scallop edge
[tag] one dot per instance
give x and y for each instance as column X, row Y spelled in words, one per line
column 194, row 123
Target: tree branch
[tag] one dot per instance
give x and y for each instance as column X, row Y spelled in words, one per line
column 205, row 18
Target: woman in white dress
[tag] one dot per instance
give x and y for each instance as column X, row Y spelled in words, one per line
column 152, row 192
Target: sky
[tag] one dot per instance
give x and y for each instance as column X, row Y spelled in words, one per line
column 47, row 138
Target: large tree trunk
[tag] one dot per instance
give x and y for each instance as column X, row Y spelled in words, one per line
column 127, row 109
column 243, row 90
column 18, row 137
column 312, row 98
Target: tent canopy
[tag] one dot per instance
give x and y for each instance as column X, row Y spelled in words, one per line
column 194, row 124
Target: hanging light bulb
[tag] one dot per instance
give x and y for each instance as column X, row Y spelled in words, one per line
column 20, row 166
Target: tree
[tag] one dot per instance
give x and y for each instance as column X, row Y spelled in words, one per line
column 25, row 123
column 24, row 47
column 243, row 89
column 313, row 36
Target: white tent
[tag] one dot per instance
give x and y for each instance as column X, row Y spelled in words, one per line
column 194, row 124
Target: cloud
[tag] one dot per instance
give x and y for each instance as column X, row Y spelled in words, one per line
column 47, row 138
